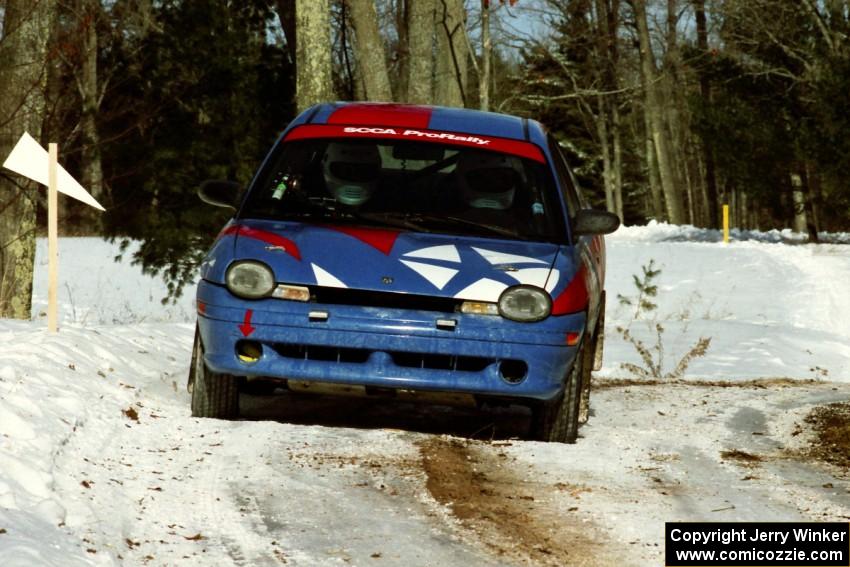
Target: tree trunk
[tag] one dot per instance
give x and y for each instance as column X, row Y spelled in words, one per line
column 402, row 72
column 88, row 13
column 313, row 53
column 655, row 107
column 733, row 208
column 601, row 118
column 655, row 192
column 602, row 134
column 692, row 214
column 705, row 93
column 286, row 15
column 811, row 227
column 371, row 62
column 618, row 161
column 420, row 27
column 450, row 79
column 815, row 194
column 23, row 54
column 798, row 198
column 352, row 88
column 611, row 14
column 699, row 173
column 486, row 54
column 674, row 112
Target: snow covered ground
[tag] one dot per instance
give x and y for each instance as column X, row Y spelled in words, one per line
column 771, row 309
column 101, row 464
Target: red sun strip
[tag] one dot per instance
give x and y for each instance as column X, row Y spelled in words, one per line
column 504, row 145
column 264, row 236
column 574, row 298
column 381, row 240
column 383, row 114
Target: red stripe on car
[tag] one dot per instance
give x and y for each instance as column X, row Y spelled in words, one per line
column 384, row 114
column 503, row 145
column 381, row 240
column 285, row 244
column 574, row 298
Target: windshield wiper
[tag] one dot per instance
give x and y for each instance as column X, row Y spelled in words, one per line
column 396, row 220
column 500, row 230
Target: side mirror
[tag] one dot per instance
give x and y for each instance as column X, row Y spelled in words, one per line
column 219, row 193
column 588, row 221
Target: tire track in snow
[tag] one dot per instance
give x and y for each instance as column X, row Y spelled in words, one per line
column 234, row 514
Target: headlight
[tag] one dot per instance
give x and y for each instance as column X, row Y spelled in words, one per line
column 525, row 303
column 249, row 279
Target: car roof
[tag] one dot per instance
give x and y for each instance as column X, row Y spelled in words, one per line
column 445, row 119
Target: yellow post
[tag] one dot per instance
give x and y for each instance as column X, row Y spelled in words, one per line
column 725, row 224
column 52, row 240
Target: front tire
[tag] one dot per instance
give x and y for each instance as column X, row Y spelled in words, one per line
column 592, row 361
column 586, row 368
column 557, row 421
column 213, row 394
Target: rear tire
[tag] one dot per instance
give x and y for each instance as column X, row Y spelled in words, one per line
column 213, row 394
column 556, row 421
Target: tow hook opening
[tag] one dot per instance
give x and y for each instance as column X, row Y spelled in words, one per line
column 513, row 371
column 249, row 352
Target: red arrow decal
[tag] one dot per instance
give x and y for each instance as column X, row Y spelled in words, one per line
column 246, row 327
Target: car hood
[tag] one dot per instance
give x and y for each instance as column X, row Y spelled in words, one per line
column 385, row 260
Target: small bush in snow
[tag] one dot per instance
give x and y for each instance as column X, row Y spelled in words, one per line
column 646, row 290
column 653, row 357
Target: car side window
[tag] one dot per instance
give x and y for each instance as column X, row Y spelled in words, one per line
column 565, row 178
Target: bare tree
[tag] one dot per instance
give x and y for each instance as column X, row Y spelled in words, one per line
column 401, row 57
column 608, row 112
column 371, row 62
column 655, row 108
column 486, row 56
column 421, row 14
column 450, row 77
column 710, row 197
column 313, row 53
column 407, row 29
column 88, row 14
column 286, row 15
column 23, row 54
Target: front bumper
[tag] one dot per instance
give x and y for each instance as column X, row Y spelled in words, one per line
column 387, row 348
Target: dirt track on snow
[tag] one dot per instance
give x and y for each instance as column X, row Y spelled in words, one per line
column 512, row 518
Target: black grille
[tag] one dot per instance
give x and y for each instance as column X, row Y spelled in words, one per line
column 404, row 359
column 322, row 353
column 366, row 298
column 440, row 361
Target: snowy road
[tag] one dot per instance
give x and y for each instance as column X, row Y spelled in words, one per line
column 369, row 485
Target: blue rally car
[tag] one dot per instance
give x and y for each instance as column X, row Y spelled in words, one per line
column 426, row 253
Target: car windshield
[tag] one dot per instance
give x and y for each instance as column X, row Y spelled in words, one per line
column 423, row 187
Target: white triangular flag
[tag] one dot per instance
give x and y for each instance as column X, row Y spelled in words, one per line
column 30, row 160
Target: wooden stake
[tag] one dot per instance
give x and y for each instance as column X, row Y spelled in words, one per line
column 52, row 239
column 725, row 224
